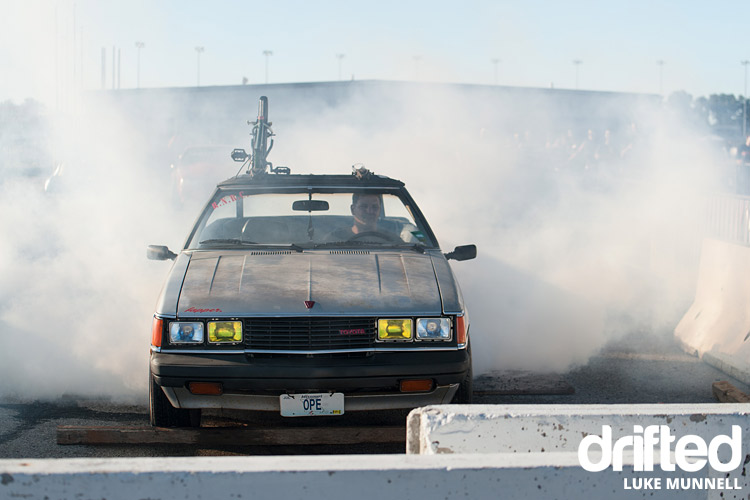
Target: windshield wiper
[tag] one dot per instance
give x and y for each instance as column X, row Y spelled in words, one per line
column 346, row 243
column 294, row 247
column 236, row 241
column 417, row 247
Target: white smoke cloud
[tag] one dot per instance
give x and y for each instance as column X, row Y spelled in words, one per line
column 566, row 261
column 77, row 287
column 568, row 258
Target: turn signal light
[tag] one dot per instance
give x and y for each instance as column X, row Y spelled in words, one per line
column 421, row 385
column 461, row 334
column 206, row 388
column 157, row 326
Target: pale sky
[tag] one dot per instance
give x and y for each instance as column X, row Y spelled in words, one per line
column 50, row 47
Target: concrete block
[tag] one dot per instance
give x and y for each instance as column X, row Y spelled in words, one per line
column 717, row 325
column 558, row 428
column 374, row 477
column 532, row 430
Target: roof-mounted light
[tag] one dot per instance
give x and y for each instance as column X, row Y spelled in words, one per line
column 360, row 172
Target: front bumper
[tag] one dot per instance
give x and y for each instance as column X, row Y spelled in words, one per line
column 368, row 383
column 180, row 397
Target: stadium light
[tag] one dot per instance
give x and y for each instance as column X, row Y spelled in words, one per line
column 340, row 57
column 577, row 63
column 139, row 46
column 267, row 53
column 744, row 102
column 199, row 51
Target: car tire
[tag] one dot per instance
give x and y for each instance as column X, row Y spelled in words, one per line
column 466, row 387
column 163, row 414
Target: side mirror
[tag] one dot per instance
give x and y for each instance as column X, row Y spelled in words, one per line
column 464, row 252
column 159, row 252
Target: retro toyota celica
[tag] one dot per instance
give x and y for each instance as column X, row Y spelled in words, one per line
column 308, row 295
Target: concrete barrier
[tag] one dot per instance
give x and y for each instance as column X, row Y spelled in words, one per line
column 717, row 325
column 556, row 429
column 492, row 476
column 471, row 451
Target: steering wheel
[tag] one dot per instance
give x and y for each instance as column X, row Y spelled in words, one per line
column 375, row 234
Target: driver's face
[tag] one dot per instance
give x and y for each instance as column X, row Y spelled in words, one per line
column 366, row 211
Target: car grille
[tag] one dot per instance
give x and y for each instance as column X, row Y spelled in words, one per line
column 309, row 334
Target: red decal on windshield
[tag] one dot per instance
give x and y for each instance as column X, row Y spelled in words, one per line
column 199, row 310
column 227, row 200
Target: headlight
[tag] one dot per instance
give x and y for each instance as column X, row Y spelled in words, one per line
column 186, row 333
column 225, row 331
column 394, row 329
column 433, row 329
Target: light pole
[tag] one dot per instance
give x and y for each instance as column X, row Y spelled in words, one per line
column 267, row 53
column 416, row 67
column 199, row 51
column 139, row 46
column 661, row 63
column 577, row 63
column 340, row 57
column 495, row 62
column 744, row 102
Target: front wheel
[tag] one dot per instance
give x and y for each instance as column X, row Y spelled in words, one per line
column 465, row 390
column 163, row 414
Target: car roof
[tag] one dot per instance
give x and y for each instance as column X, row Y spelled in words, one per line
column 311, row 180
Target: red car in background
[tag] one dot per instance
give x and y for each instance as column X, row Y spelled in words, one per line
column 197, row 171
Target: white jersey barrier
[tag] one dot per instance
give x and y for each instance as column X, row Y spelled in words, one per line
column 476, row 476
column 471, row 451
column 717, row 325
column 559, row 428
column 653, row 439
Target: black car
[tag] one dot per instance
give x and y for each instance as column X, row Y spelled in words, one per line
column 308, row 295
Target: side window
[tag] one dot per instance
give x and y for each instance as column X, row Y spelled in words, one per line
column 393, row 208
column 396, row 213
column 222, row 212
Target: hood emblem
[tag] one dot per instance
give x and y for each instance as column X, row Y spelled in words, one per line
column 309, row 304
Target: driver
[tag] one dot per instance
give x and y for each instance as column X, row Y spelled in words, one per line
column 366, row 212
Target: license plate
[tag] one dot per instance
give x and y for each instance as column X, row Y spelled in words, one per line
column 310, row 405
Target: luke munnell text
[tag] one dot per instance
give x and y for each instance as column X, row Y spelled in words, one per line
column 694, row 483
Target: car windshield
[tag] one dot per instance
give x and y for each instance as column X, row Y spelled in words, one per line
column 309, row 219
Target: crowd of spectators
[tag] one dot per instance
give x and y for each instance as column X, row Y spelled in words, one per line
column 598, row 156
column 593, row 156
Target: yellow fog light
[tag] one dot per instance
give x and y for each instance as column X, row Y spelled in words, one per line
column 394, row 329
column 225, row 331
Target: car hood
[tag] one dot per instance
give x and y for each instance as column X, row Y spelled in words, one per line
column 272, row 282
